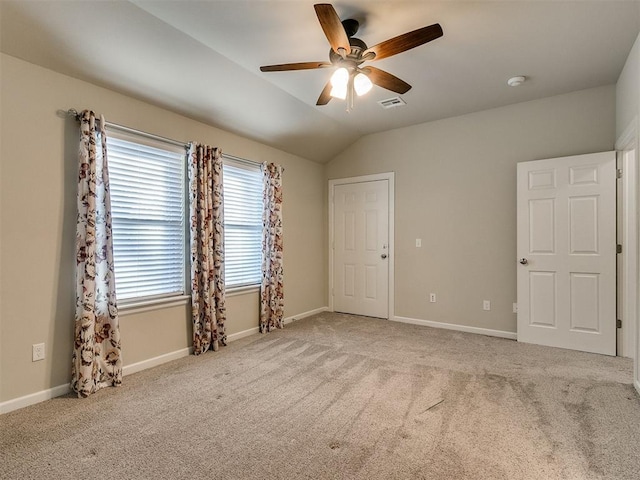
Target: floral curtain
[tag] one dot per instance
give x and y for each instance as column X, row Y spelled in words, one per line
column 97, row 360
column 207, row 248
column 271, row 290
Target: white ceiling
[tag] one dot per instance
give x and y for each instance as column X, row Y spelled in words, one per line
column 202, row 58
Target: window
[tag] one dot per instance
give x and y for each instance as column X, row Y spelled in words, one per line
column 242, row 223
column 148, row 215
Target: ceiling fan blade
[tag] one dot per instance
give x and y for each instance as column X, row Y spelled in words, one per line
column 386, row 80
column 332, row 27
column 405, row 42
column 294, row 66
column 325, row 96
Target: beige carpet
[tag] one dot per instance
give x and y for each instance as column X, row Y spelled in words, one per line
column 342, row 397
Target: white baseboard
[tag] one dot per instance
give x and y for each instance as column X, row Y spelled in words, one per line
column 459, row 328
column 293, row 318
column 302, row 315
column 155, row 361
column 242, row 334
column 33, row 398
column 636, row 384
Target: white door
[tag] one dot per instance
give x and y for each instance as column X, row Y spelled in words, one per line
column 361, row 248
column 567, row 252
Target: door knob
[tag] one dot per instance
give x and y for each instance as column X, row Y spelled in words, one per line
column 524, row 261
column 384, row 255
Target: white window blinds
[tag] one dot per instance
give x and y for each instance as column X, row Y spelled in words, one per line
column 242, row 223
column 148, row 216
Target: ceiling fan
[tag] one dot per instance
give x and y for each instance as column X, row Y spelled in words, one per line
column 349, row 53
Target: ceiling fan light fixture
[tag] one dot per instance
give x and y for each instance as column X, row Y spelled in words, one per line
column 362, row 84
column 340, row 78
column 339, row 92
column 339, row 83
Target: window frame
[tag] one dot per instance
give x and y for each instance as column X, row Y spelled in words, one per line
column 143, row 303
column 240, row 163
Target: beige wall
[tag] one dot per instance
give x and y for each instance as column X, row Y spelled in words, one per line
column 37, row 232
column 456, row 190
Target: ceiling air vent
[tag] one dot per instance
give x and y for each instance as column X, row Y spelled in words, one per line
column 392, row 102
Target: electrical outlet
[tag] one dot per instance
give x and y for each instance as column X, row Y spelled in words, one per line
column 418, row 242
column 486, row 305
column 432, row 297
column 37, row 352
column 515, row 308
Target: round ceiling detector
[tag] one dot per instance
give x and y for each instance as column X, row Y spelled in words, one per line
column 516, row 81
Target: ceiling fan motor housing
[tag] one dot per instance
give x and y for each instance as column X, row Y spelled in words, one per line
column 357, row 48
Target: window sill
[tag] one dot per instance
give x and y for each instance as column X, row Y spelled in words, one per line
column 234, row 291
column 135, row 307
column 155, row 304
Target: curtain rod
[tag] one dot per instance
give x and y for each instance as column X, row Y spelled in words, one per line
column 240, row 159
column 253, row 163
column 74, row 113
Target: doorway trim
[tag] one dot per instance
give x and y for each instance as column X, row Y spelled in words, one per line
column 390, row 177
column 630, row 340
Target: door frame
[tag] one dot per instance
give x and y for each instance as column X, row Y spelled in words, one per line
column 630, row 337
column 390, row 177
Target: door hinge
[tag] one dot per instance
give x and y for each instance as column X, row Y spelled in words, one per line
column 618, row 248
column 619, row 173
column 618, row 323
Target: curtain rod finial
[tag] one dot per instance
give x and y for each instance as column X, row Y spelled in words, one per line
column 72, row 112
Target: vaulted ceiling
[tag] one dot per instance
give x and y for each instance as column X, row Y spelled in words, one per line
column 202, row 58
